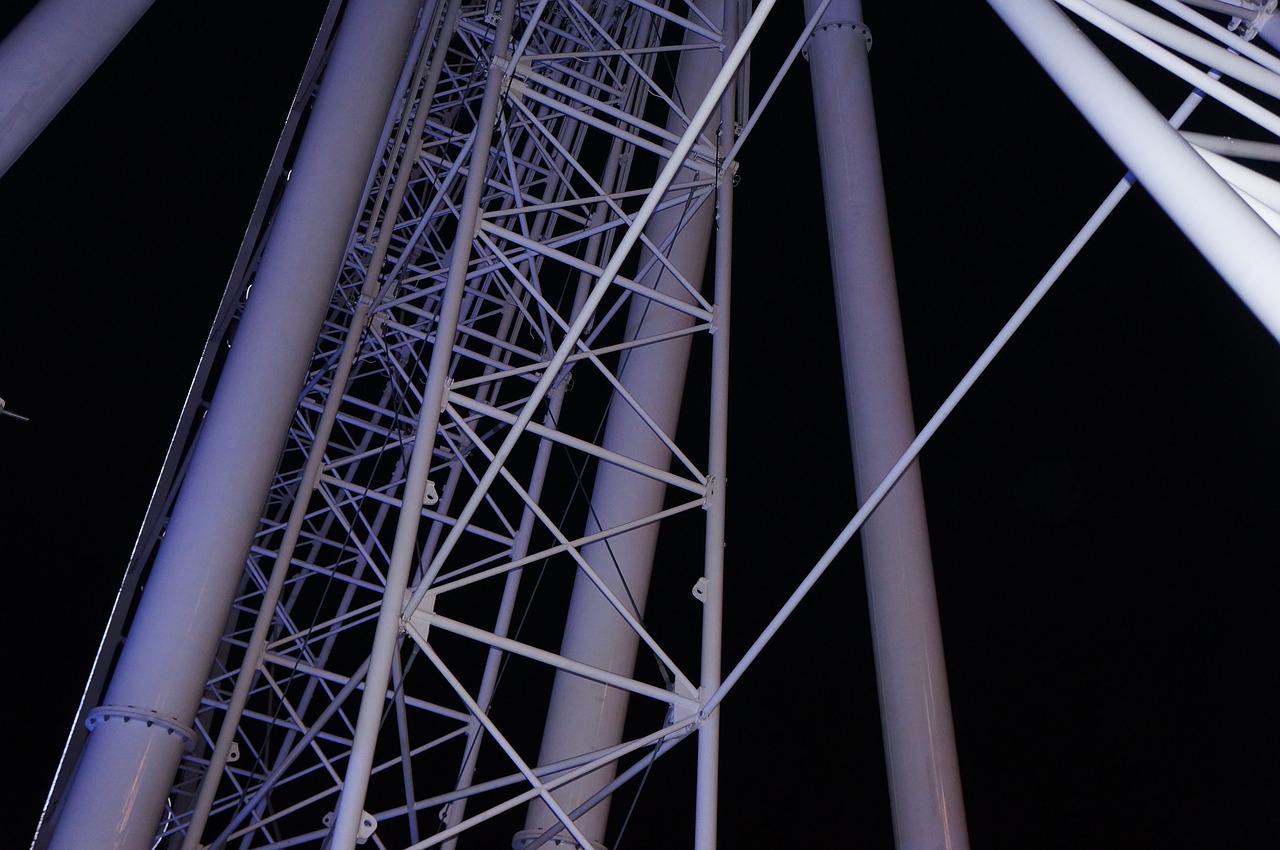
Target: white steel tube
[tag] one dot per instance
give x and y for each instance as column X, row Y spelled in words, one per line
column 118, row 793
column 310, row 476
column 386, row 636
column 909, row 456
column 585, row 715
column 1238, row 148
column 1220, row 33
column 1206, row 80
column 1221, row 59
column 528, row 519
column 707, row 792
column 1235, row 241
column 48, row 56
column 1246, row 11
column 915, row 708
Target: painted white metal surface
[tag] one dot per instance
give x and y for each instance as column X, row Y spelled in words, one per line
column 1242, row 248
column 915, row 709
column 48, row 56
column 489, row 269
column 121, row 784
column 584, row 715
column 527, row 274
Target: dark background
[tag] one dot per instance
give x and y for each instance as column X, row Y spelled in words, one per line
column 1102, row 506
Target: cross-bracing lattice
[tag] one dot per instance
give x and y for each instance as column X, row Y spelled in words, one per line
column 580, row 131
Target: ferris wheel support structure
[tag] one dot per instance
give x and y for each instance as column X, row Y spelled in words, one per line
column 494, row 203
column 144, row 724
column 1234, row 238
column 923, row 771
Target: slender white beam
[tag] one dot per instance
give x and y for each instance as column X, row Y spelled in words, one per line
column 1220, row 33
column 422, row 622
column 118, row 794
column 586, row 715
column 707, row 791
column 796, row 50
column 1206, row 80
column 939, row 416
column 1246, row 11
column 527, row 770
column 48, row 56
column 915, row 707
column 1235, row 241
column 1224, row 60
column 350, row 805
column 302, row 499
column 1261, row 193
column 909, row 456
column 1238, row 148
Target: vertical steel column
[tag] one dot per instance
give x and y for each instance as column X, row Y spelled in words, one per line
column 387, row 635
column 707, row 792
column 118, row 793
column 915, row 709
column 584, row 715
column 48, row 56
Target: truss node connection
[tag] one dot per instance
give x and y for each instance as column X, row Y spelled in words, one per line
column 398, row 564
column 518, row 297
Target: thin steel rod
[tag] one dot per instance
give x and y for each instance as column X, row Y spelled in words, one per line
column 629, row 617
column 1245, row 11
column 298, row 748
column 1225, row 61
column 570, row 260
column 1243, row 249
column 422, row 621
column 406, row 749
column 707, row 790
column 576, row 768
column 664, row 746
column 1220, row 33
column 662, row 12
column 543, row 792
column 447, row 583
column 350, row 804
column 944, row 410
column 792, row 56
column 908, row 457
column 506, row 610
column 625, row 244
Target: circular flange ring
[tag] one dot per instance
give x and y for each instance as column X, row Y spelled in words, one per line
column 103, row 713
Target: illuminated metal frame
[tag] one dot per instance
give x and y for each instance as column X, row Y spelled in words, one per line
column 452, row 244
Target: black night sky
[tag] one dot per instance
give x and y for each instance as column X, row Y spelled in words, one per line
column 1102, row 507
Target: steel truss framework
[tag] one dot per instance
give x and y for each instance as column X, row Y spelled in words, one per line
column 535, row 130
column 545, row 147
column 572, row 157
